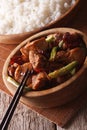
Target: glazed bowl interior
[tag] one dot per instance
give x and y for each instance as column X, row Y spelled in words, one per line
column 61, row 21
column 55, row 88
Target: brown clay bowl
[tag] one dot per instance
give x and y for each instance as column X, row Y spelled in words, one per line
column 57, row 95
column 61, row 21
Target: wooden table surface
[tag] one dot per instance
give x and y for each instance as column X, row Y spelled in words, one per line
column 26, row 119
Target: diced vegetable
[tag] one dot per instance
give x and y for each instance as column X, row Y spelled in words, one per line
column 73, row 71
column 64, row 70
column 16, row 84
column 61, row 44
column 53, row 53
column 50, row 38
column 16, row 59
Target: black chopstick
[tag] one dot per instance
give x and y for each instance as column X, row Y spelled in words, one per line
column 6, row 120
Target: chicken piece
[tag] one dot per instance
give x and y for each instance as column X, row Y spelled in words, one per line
column 20, row 71
column 77, row 54
column 52, row 66
column 25, row 51
column 39, row 81
column 40, row 45
column 62, row 79
column 25, row 54
column 37, row 60
column 62, row 57
column 11, row 69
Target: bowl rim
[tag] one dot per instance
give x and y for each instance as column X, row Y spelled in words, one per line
column 47, row 25
column 53, row 89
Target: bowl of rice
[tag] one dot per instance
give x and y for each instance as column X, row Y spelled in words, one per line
column 20, row 19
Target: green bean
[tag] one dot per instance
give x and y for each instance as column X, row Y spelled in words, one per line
column 61, row 44
column 53, row 53
column 16, row 84
column 73, row 71
column 50, row 39
column 64, row 70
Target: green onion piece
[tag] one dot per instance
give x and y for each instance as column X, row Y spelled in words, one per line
column 61, row 44
column 64, row 70
column 50, row 39
column 53, row 53
column 73, row 71
column 16, row 84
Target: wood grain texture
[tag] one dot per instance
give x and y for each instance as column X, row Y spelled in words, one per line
column 26, row 119
column 79, row 122
column 23, row 119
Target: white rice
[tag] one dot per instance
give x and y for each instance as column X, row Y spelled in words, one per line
column 18, row 16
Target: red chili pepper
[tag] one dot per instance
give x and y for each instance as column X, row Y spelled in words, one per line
column 16, row 59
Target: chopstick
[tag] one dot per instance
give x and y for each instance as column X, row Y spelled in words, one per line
column 9, row 113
